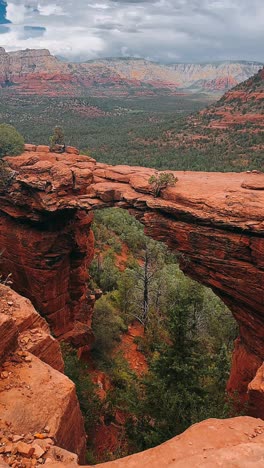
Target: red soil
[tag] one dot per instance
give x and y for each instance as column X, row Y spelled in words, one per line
column 108, row 440
column 134, row 357
column 122, row 257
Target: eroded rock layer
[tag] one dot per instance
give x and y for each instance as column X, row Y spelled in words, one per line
column 216, row 221
column 38, row 72
column 40, row 417
column 38, row 403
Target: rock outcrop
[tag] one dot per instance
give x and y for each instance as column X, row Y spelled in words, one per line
column 210, row 218
column 38, row 403
column 236, row 442
column 214, row 220
column 38, row 72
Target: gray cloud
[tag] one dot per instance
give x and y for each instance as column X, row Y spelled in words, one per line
column 162, row 30
column 4, row 29
column 33, row 31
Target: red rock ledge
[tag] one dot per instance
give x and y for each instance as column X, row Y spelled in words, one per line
column 215, row 220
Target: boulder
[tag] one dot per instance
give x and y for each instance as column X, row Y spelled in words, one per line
column 72, row 150
column 43, row 149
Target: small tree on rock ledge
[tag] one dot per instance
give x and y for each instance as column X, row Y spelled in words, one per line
column 57, row 140
column 161, row 181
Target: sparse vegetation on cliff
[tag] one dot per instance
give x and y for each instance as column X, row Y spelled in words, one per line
column 57, row 139
column 161, row 181
column 6, row 175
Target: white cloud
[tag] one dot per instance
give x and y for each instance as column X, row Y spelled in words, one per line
column 98, row 6
column 48, row 10
column 166, row 30
column 15, row 13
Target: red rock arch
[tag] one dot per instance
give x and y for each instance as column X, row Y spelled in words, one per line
column 215, row 220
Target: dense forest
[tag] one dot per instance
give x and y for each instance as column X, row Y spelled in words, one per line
column 162, row 131
column 186, row 340
column 117, row 131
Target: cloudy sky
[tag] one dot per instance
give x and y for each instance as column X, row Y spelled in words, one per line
column 161, row 30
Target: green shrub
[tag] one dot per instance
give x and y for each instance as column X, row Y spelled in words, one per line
column 161, row 181
column 107, row 326
column 78, row 372
column 11, row 142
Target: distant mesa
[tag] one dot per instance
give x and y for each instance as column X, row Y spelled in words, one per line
column 38, row 72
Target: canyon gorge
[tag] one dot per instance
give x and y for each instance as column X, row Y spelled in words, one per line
column 213, row 220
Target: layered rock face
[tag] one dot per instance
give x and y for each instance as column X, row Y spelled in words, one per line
column 38, row 404
column 38, row 72
column 40, row 417
column 241, row 105
column 214, row 220
column 215, row 77
column 49, row 265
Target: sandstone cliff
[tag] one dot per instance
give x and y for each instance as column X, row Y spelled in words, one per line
column 38, row 72
column 40, row 418
column 216, row 77
column 214, row 220
column 38, row 404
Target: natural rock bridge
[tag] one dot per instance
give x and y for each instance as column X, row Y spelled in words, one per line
column 215, row 220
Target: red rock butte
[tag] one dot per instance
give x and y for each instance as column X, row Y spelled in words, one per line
column 214, row 220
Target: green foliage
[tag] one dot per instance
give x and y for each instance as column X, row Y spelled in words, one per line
column 146, row 131
column 115, row 225
column 188, row 339
column 161, row 181
column 11, row 142
column 78, row 372
column 122, row 377
column 185, row 383
column 107, row 326
column 104, row 271
column 57, row 138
